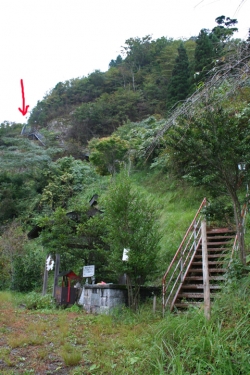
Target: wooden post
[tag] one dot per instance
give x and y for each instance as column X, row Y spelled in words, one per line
column 45, row 279
column 57, row 266
column 154, row 303
column 206, row 287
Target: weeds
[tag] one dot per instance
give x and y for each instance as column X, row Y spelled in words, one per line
column 70, row 355
column 192, row 345
column 125, row 342
column 35, row 301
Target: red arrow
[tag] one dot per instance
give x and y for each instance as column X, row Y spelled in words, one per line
column 25, row 109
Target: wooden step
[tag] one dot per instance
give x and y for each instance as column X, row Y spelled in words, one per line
column 220, row 270
column 219, row 250
column 212, row 270
column 216, row 243
column 212, row 278
column 219, row 245
column 210, row 263
column 220, row 230
column 220, row 237
column 191, row 295
column 185, row 305
column 199, row 286
column 211, row 256
column 194, row 295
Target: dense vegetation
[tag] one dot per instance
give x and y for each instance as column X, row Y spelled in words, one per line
column 148, row 78
column 166, row 125
column 126, row 342
column 117, row 120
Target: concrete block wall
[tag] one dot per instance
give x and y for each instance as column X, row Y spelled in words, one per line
column 101, row 299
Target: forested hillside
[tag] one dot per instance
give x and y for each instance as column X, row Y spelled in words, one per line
column 149, row 77
column 171, row 115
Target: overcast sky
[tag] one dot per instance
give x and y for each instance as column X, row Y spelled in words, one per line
column 45, row 42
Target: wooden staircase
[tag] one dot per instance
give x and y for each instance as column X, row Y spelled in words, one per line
column 182, row 283
column 219, row 246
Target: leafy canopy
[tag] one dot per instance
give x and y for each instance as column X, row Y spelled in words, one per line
column 131, row 224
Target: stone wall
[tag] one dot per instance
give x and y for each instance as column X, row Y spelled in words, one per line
column 101, row 299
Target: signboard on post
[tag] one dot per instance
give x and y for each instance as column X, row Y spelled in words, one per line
column 125, row 255
column 49, row 263
column 88, row 271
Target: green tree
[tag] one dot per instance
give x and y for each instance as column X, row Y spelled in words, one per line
column 204, row 55
column 65, row 178
column 210, row 46
column 12, row 250
column 137, row 52
column 79, row 241
column 207, row 147
column 102, row 117
column 95, row 250
column 107, row 153
column 179, row 85
column 225, row 28
column 28, row 269
column 21, row 262
column 117, row 61
column 131, row 224
column 57, row 237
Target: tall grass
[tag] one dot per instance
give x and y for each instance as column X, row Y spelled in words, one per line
column 142, row 343
column 187, row 343
column 176, row 204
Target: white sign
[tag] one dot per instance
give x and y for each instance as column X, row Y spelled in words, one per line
column 125, row 255
column 88, row 271
column 49, row 263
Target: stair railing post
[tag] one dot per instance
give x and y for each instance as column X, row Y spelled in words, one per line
column 205, row 270
column 195, row 235
column 181, row 266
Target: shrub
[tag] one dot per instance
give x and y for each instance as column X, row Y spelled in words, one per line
column 35, row 301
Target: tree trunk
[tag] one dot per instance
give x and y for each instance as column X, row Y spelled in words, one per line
column 239, row 219
column 133, row 294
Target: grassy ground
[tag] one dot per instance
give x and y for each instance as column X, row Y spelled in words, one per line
column 72, row 342
column 37, row 338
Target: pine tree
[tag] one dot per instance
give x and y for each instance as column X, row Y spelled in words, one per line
column 179, row 86
column 210, row 46
column 204, row 55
